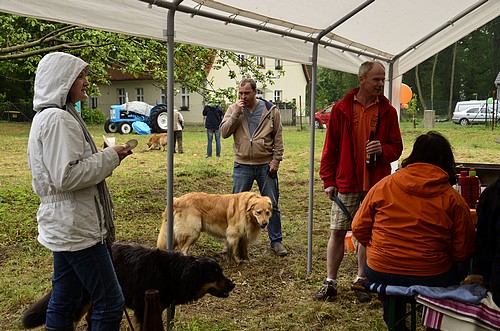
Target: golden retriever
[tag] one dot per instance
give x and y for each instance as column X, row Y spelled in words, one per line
column 236, row 217
column 158, row 141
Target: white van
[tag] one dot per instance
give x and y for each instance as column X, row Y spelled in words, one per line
column 463, row 105
column 474, row 111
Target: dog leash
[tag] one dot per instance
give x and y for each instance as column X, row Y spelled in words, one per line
column 341, row 205
column 270, row 175
column 128, row 319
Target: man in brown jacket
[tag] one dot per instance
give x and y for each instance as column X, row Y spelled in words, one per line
column 255, row 125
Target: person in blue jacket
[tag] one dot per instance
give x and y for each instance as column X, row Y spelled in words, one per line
column 213, row 116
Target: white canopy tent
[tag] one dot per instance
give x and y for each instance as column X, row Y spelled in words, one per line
column 402, row 33
column 337, row 34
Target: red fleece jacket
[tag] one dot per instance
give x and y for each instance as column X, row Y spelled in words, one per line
column 339, row 159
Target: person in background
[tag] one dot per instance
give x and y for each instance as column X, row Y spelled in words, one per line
column 487, row 258
column 75, row 217
column 178, row 127
column 362, row 126
column 415, row 226
column 255, row 125
column 213, row 117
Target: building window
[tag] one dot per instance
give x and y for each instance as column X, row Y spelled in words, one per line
column 242, row 58
column 185, row 98
column 139, row 92
column 278, row 64
column 278, row 95
column 121, row 96
column 261, row 63
column 260, row 94
column 163, row 96
column 93, row 102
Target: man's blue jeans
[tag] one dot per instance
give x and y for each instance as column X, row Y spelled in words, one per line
column 92, row 269
column 243, row 178
column 210, row 134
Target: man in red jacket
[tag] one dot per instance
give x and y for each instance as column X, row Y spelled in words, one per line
column 362, row 140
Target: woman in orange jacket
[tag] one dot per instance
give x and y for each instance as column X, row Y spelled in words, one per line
column 414, row 224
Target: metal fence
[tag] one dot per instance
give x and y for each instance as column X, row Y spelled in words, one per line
column 288, row 113
column 16, row 112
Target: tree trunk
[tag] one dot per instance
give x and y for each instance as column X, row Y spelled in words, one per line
column 419, row 89
column 432, row 79
column 452, row 80
column 496, row 45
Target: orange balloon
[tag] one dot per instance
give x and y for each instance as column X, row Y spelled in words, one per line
column 406, row 94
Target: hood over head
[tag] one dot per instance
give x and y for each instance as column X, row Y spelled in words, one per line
column 422, row 179
column 55, row 74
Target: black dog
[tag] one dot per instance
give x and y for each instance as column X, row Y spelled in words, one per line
column 178, row 278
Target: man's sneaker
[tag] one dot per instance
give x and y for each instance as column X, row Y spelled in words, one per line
column 280, row 250
column 327, row 292
column 362, row 296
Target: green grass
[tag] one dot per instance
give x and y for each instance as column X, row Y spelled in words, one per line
column 271, row 293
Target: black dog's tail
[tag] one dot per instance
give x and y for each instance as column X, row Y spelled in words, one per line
column 35, row 315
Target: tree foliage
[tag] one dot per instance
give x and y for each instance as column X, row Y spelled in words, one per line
column 332, row 85
column 474, row 69
column 24, row 41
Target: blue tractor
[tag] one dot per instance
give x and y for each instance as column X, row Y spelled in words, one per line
column 122, row 116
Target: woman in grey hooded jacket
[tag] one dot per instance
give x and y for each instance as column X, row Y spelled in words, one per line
column 75, row 218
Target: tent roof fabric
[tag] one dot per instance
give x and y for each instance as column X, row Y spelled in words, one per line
column 402, row 32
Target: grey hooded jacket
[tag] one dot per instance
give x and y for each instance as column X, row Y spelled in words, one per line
column 65, row 171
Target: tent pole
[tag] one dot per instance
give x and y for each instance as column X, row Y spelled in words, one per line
column 314, row 61
column 391, row 76
column 311, row 157
column 170, row 144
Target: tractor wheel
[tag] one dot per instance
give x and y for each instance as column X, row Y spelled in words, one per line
column 317, row 124
column 110, row 127
column 159, row 120
column 125, row 128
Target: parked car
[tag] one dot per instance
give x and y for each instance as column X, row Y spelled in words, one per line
column 322, row 117
column 464, row 105
column 474, row 115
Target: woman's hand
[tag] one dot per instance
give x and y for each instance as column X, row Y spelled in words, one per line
column 123, row 151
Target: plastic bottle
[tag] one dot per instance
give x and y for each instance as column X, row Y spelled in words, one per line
column 371, row 159
column 475, row 188
column 464, row 185
column 152, row 312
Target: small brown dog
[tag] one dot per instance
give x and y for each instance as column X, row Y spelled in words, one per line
column 158, row 141
column 238, row 218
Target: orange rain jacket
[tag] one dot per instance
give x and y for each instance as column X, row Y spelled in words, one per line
column 414, row 222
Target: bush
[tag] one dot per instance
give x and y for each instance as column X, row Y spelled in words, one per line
column 96, row 118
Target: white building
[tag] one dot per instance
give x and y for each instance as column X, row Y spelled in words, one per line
column 289, row 87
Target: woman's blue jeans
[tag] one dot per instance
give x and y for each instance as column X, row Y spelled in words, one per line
column 243, row 178
column 90, row 269
column 210, row 134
